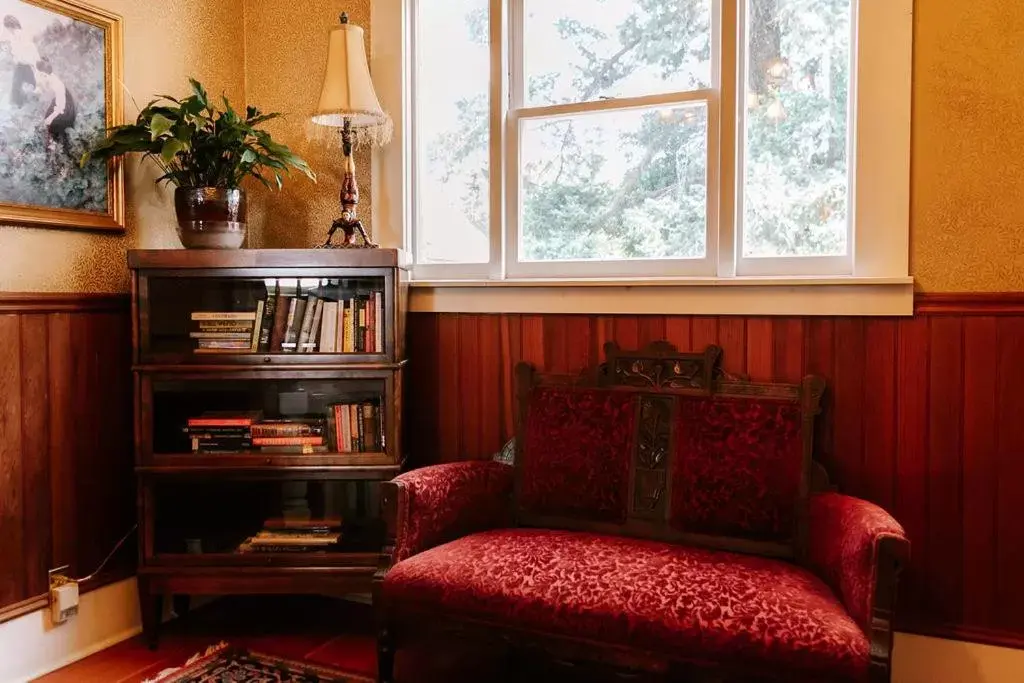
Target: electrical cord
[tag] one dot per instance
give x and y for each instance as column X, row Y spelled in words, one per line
column 108, row 557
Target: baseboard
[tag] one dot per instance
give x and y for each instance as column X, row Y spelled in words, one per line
column 34, row 647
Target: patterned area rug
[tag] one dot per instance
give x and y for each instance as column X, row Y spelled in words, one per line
column 224, row 664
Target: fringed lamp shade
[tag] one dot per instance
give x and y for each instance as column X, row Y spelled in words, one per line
column 348, row 92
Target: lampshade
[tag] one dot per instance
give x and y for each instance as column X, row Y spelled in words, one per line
column 348, row 91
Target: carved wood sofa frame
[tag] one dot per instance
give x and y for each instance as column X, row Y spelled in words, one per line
column 658, row 372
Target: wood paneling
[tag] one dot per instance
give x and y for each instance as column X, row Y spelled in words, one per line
column 924, row 416
column 66, row 481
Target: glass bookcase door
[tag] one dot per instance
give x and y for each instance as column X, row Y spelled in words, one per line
column 298, row 319
column 264, row 521
column 269, row 418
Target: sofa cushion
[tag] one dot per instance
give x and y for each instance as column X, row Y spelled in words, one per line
column 576, row 454
column 737, row 468
column 680, row 602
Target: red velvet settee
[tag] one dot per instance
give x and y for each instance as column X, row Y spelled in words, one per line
column 659, row 518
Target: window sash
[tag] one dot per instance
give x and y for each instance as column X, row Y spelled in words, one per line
column 725, row 172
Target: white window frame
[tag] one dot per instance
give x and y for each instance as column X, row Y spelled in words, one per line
column 880, row 158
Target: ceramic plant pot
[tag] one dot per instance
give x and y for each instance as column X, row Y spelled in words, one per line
column 210, row 217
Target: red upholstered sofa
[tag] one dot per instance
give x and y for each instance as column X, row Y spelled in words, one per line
column 659, row 518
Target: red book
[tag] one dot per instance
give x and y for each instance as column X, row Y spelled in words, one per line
column 288, row 440
column 234, row 419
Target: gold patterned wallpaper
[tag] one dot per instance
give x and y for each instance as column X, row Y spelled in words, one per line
column 968, row 150
column 286, row 52
column 967, row 218
column 165, row 42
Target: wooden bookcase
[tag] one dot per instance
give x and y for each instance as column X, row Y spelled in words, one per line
column 205, row 493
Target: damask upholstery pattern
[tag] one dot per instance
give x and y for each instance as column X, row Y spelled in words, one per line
column 844, row 537
column 577, row 451
column 680, row 602
column 737, row 468
column 442, row 502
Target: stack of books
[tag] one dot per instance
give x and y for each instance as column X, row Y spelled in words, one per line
column 226, row 331
column 356, row 427
column 294, row 536
column 221, row 432
column 290, row 436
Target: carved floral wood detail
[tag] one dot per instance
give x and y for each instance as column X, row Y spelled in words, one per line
column 652, row 454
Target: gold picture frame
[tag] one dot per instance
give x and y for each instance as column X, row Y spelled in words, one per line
column 110, row 217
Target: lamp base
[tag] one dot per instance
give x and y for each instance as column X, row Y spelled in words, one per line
column 355, row 236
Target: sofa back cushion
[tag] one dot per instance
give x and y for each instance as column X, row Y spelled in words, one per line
column 737, row 468
column 656, row 446
column 576, row 454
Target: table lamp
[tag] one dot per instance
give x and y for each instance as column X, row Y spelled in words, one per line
column 349, row 102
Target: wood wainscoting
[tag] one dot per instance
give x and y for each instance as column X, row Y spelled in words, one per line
column 924, row 416
column 67, row 488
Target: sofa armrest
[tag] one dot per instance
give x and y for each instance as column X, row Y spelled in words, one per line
column 433, row 505
column 859, row 549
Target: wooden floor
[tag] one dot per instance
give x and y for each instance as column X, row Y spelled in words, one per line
column 317, row 630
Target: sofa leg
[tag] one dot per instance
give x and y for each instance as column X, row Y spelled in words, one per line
column 385, row 656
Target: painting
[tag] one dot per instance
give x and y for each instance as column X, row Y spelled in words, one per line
column 60, row 89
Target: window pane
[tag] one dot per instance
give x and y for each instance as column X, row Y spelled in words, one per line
column 615, row 185
column 585, row 50
column 452, row 132
column 796, row 186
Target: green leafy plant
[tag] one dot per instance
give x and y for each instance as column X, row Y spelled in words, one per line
column 198, row 145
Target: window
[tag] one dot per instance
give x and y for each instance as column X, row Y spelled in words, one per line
column 679, row 138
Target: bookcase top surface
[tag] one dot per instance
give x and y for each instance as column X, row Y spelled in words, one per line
column 267, row 258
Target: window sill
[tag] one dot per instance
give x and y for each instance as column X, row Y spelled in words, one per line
column 856, row 296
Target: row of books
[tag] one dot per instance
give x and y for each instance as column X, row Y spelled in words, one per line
column 356, row 427
column 295, row 324
column 348, row 428
column 294, row 536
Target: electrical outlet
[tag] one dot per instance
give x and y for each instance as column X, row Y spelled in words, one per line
column 63, row 595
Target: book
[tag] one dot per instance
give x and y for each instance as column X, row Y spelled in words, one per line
column 360, row 324
column 357, row 428
column 291, row 333
column 378, row 328
column 312, row 341
column 216, row 418
column 254, row 343
column 313, row 524
column 220, row 335
column 282, row 310
column 329, row 327
column 369, row 433
column 371, row 335
column 347, row 332
column 306, row 324
column 225, row 326
column 288, row 441
column 289, row 427
column 294, row 450
column 235, row 345
column 266, row 327
column 223, row 315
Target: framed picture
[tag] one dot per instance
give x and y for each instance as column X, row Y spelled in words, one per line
column 60, row 89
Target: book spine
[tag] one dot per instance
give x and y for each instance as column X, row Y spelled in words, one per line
column 222, row 315
column 328, row 327
column 284, row 309
column 349, row 336
column 219, row 422
column 346, row 429
column 288, row 441
column 378, row 329
column 313, row 342
column 254, row 343
column 220, row 335
column 307, row 323
column 231, row 344
column 287, row 430
column 291, row 333
column 357, row 428
column 369, row 440
column 225, row 326
column 269, row 318
column 339, row 334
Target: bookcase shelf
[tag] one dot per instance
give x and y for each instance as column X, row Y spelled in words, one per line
column 268, row 406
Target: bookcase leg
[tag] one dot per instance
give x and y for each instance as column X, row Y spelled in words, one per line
column 152, row 612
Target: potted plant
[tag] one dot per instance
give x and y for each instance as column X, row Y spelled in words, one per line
column 206, row 153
